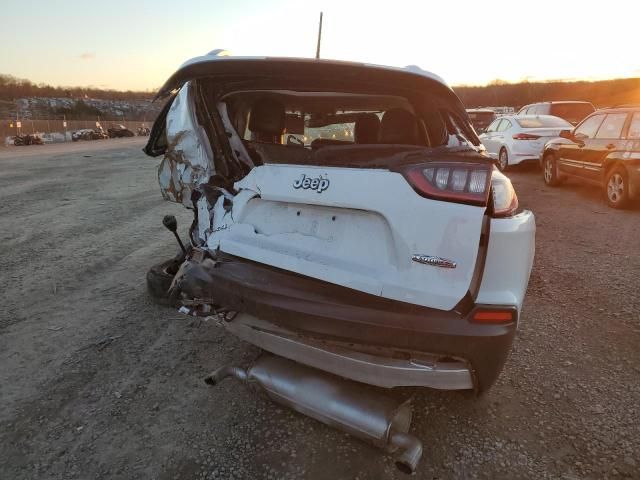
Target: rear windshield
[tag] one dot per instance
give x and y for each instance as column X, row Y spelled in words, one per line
column 486, row 116
column 572, row 112
column 306, row 122
column 543, row 122
column 310, row 129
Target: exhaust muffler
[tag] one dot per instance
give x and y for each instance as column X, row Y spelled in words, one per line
column 337, row 402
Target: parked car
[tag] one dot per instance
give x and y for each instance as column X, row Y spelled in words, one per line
column 603, row 150
column 300, row 239
column 572, row 111
column 481, row 118
column 99, row 134
column 81, row 134
column 513, row 139
column 89, row 134
column 27, row 139
column 119, row 131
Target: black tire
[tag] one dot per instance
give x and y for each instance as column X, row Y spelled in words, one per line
column 503, row 159
column 616, row 187
column 550, row 170
column 159, row 278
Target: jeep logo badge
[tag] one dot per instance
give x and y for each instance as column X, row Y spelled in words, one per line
column 319, row 184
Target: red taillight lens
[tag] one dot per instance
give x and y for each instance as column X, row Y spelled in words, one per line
column 505, row 200
column 455, row 182
column 493, row 316
column 525, row 136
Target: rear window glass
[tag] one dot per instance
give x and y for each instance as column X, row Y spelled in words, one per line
column 543, row 122
column 589, row 127
column 634, row 128
column 486, row 116
column 612, row 126
column 332, row 132
column 494, row 125
column 322, row 119
column 572, row 112
column 505, row 125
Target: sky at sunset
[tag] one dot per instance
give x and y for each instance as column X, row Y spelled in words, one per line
column 139, row 44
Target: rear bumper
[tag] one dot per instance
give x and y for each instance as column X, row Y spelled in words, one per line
column 509, row 260
column 366, row 367
column 333, row 317
column 523, row 152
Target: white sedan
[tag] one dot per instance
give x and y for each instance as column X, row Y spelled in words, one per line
column 513, row 139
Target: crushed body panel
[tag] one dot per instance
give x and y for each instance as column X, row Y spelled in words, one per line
column 321, row 235
column 188, row 160
column 349, row 206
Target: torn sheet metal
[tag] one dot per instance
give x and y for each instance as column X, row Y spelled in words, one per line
column 188, row 161
column 204, row 218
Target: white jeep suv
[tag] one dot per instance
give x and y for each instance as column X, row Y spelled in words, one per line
column 349, row 216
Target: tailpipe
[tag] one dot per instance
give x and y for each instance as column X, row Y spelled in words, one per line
column 410, row 449
column 343, row 404
column 228, row 371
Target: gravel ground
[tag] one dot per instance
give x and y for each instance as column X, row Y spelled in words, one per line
column 96, row 381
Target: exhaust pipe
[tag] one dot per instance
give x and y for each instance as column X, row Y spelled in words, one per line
column 337, row 402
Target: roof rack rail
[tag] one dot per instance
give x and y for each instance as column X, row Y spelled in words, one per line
column 627, row 105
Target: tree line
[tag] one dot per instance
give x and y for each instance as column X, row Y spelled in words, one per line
column 601, row 93
column 12, row 88
column 605, row 93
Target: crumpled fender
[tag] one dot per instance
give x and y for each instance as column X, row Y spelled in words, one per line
column 188, row 160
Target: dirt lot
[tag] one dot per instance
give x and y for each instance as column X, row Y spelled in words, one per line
column 98, row 382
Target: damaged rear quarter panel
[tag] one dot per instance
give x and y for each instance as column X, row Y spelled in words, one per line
column 188, row 160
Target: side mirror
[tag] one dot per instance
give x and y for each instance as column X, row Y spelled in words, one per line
column 567, row 134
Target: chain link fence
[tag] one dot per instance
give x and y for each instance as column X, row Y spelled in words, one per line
column 58, row 130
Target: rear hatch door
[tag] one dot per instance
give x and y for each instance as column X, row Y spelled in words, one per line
column 366, row 229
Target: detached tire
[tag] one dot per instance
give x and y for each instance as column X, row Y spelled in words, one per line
column 159, row 278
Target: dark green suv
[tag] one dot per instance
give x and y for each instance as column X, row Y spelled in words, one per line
column 604, row 149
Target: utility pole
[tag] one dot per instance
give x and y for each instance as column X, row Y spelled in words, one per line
column 319, row 37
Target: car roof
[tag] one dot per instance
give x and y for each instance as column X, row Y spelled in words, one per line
column 480, row 110
column 520, row 117
column 218, row 63
column 555, row 102
column 620, row 109
column 515, row 116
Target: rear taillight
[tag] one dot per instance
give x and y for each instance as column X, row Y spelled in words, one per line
column 454, row 182
column 525, row 136
column 493, row 316
column 505, row 200
column 464, row 183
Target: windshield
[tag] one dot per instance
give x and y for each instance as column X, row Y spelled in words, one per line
column 543, row 122
column 572, row 112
